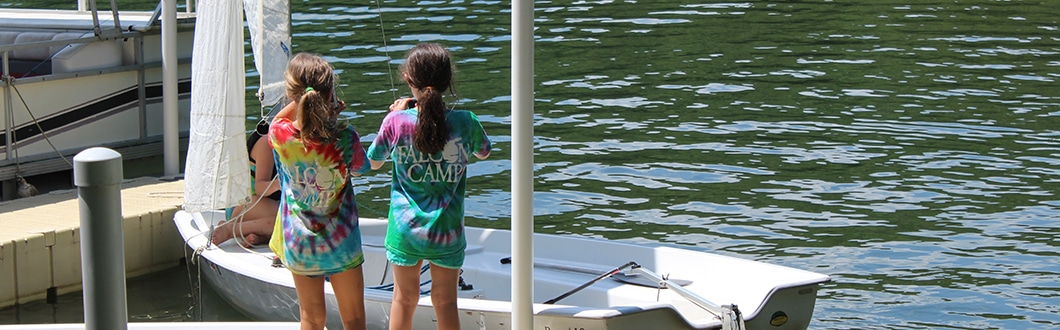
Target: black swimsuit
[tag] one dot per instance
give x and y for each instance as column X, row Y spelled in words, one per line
column 251, row 140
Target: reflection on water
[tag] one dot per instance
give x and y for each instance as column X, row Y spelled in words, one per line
column 908, row 149
column 171, row 295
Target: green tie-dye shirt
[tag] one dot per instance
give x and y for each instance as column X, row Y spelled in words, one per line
column 426, row 218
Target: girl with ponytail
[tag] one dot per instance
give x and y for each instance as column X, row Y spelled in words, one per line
column 430, row 146
column 317, row 234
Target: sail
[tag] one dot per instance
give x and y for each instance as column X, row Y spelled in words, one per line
column 269, row 22
column 216, row 172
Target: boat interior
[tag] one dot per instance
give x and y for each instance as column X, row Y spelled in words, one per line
column 595, row 279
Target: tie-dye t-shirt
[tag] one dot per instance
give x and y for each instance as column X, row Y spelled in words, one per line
column 317, row 231
column 426, row 218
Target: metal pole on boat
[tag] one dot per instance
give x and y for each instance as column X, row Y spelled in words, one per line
column 522, row 164
column 9, row 118
column 98, row 176
column 95, row 17
column 170, row 117
column 117, row 20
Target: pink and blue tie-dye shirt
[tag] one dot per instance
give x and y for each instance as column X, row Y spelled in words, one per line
column 426, row 218
column 317, row 230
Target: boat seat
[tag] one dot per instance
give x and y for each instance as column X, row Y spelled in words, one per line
column 61, row 58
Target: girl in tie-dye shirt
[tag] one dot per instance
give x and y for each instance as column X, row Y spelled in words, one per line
column 317, row 232
column 430, row 147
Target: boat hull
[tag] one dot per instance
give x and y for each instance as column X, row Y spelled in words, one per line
column 248, row 281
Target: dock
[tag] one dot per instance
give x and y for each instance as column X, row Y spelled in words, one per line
column 40, row 238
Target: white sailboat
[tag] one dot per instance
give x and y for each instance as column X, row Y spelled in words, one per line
column 511, row 279
column 765, row 296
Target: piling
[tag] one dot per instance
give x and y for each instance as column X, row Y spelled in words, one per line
column 98, row 176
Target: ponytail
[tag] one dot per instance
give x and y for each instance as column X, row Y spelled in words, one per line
column 312, row 81
column 431, row 131
column 315, row 115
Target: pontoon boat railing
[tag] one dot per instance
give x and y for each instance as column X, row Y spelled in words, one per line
column 62, row 42
column 83, row 5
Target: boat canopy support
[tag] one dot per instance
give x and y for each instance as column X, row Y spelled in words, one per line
column 99, row 30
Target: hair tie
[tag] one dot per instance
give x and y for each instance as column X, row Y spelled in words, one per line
column 308, row 89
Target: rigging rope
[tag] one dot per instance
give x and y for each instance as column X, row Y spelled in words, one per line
column 386, row 49
column 237, row 227
column 195, row 298
column 39, row 128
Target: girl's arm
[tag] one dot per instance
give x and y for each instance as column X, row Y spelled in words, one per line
column 288, row 111
column 376, row 164
column 485, row 146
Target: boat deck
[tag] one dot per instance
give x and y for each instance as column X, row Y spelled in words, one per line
column 40, row 238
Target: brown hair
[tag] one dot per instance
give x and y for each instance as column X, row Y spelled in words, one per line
column 428, row 68
column 312, row 81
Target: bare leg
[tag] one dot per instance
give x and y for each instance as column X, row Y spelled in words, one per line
column 349, row 292
column 224, row 232
column 406, row 296
column 255, row 231
column 255, row 227
column 443, row 296
column 312, row 309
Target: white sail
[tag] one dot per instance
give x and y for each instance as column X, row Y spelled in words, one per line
column 216, row 172
column 269, row 22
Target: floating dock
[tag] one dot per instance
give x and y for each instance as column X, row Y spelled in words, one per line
column 40, row 238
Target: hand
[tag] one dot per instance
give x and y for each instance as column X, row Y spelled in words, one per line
column 337, row 106
column 403, row 104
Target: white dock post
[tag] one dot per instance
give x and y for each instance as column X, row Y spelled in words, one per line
column 98, row 176
column 522, row 164
column 170, row 113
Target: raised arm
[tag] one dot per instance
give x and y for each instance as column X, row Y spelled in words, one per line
column 288, row 111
